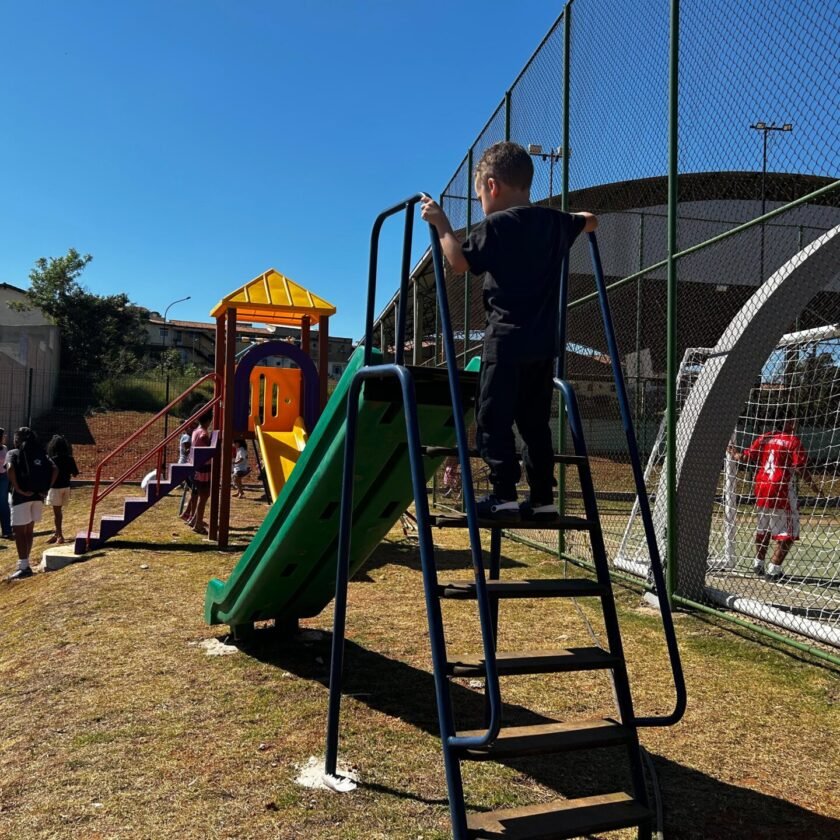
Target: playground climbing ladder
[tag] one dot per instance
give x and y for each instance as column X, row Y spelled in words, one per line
column 562, row 817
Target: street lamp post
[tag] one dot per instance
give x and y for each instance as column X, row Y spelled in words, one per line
column 535, row 150
column 167, row 343
column 765, row 129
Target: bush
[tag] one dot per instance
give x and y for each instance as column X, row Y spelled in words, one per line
column 148, row 393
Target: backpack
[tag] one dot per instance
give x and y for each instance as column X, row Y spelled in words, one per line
column 36, row 469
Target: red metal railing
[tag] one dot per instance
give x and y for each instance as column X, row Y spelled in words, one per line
column 156, row 451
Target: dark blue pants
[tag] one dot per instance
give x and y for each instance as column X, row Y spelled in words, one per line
column 517, row 391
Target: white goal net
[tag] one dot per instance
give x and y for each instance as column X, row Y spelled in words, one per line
column 799, row 384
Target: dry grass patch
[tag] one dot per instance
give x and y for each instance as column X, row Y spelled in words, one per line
column 116, row 723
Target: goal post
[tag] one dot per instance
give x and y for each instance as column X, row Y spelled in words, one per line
column 800, row 381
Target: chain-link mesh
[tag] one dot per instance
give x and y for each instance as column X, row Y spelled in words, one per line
column 759, row 101
column 96, row 415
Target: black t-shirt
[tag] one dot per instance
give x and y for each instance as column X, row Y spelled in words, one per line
column 13, row 460
column 66, row 469
column 520, row 251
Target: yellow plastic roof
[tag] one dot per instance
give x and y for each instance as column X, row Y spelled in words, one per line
column 272, row 298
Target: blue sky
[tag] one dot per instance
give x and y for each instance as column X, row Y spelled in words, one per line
column 188, row 145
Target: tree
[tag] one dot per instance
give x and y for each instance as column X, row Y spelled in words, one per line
column 99, row 333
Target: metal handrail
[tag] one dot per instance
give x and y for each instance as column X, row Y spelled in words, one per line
column 492, row 689
column 644, row 501
column 157, row 450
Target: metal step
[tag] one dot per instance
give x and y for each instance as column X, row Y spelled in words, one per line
column 542, row 738
column 534, row 662
column 558, row 819
column 563, row 588
column 558, row 523
column 445, row 451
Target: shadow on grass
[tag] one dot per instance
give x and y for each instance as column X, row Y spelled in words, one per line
column 407, row 554
column 696, row 805
column 189, row 547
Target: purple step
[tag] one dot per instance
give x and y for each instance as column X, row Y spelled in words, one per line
column 133, row 507
column 180, row 472
column 110, row 525
column 80, row 543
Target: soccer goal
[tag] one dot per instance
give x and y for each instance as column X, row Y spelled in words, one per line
column 799, row 381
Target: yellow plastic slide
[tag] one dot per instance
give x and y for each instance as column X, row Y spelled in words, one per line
column 280, row 452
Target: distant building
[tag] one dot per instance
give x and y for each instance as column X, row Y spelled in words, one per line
column 29, row 360
column 195, row 341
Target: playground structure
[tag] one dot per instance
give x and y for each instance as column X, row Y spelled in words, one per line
column 274, row 406
column 385, row 431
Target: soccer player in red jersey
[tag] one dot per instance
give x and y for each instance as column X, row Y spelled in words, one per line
column 781, row 458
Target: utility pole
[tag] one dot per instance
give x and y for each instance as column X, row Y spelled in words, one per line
column 765, row 129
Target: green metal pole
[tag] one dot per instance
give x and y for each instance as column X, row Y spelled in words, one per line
column 798, row 249
column 638, row 395
column 564, row 206
column 567, row 56
column 467, row 289
column 671, row 350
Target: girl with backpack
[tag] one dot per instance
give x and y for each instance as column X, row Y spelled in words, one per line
column 59, row 451
column 31, row 474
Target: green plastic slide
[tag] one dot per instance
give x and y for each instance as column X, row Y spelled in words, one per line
column 288, row 570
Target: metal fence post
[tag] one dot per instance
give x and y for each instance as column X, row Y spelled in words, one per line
column 467, row 289
column 29, row 373
column 637, row 396
column 564, row 206
column 671, row 351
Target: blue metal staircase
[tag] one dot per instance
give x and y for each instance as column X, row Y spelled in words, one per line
column 497, row 741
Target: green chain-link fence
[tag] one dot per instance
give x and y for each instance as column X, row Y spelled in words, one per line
column 739, row 103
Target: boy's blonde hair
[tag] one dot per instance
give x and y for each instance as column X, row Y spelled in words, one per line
column 506, row 162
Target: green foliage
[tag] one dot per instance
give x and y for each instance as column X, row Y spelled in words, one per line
column 134, row 393
column 814, row 384
column 148, row 393
column 170, row 362
column 99, row 333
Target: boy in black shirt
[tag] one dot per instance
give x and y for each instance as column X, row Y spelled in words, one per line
column 519, row 248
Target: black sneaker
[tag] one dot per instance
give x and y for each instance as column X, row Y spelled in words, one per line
column 758, row 569
column 492, row 507
column 775, row 576
column 20, row 574
column 538, row 513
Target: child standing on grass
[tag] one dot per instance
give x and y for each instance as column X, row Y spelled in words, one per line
column 59, row 451
column 201, row 477
column 519, row 248
column 240, row 467
column 31, row 474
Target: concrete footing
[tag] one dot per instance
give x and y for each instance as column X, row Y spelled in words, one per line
column 57, row 557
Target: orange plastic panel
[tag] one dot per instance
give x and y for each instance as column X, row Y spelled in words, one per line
column 275, row 398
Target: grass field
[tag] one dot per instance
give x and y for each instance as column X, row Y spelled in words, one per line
column 117, row 725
